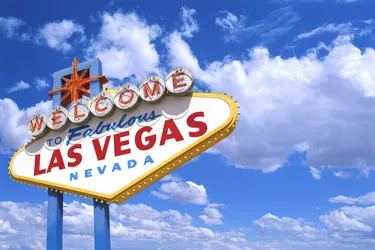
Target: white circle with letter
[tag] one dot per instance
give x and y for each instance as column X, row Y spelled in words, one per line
column 57, row 118
column 152, row 89
column 37, row 125
column 102, row 104
column 180, row 81
column 127, row 97
column 79, row 112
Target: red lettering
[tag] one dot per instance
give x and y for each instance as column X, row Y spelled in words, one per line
column 150, row 140
column 192, row 123
column 37, row 123
column 147, row 89
column 76, row 115
column 56, row 161
column 55, row 116
column 118, row 143
column 97, row 105
column 176, row 80
column 175, row 133
column 74, row 155
column 37, row 170
column 130, row 98
column 101, row 152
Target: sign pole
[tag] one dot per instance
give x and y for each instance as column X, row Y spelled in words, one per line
column 101, row 226
column 55, row 206
column 101, row 208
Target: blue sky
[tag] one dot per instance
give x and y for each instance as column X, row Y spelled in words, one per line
column 297, row 173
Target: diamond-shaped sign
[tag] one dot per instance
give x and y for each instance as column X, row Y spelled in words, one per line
column 117, row 153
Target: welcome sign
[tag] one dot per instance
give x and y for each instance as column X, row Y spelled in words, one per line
column 119, row 142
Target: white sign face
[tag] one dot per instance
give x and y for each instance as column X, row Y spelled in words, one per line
column 115, row 157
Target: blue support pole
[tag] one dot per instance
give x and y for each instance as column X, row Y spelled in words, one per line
column 54, row 220
column 55, row 205
column 101, row 210
column 101, row 226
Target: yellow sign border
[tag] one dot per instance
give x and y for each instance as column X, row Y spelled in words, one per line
column 160, row 171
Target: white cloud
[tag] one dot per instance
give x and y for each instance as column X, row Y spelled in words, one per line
column 283, row 224
column 27, row 222
column 5, row 227
column 13, row 133
column 183, row 192
column 41, row 84
column 365, row 172
column 136, row 226
column 125, row 46
column 350, row 219
column 366, row 199
column 276, row 24
column 316, row 173
column 228, row 21
column 59, row 35
column 10, row 26
column 171, row 177
column 21, row 85
column 360, row 28
column 189, row 23
column 211, row 216
column 302, row 147
column 293, row 95
column 217, row 205
column 344, row 28
column 343, row 174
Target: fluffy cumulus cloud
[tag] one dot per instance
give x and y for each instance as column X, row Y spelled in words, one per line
column 325, row 103
column 211, row 216
column 286, row 224
column 6, row 228
column 347, row 227
column 125, row 46
column 171, row 177
column 19, row 236
column 183, row 192
column 61, row 34
column 13, row 133
column 136, row 226
column 357, row 219
column 366, row 199
column 18, row 86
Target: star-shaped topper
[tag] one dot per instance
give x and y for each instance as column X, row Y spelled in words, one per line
column 77, row 86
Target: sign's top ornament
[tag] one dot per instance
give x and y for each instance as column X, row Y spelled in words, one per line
column 77, row 86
